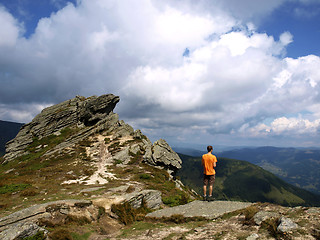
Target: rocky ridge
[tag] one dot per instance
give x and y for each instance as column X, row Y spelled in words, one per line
column 80, row 148
column 231, row 221
column 90, row 116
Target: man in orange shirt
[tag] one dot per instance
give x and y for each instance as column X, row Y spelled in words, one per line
column 209, row 163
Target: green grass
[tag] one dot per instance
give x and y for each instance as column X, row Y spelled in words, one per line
column 76, row 236
column 38, row 236
column 11, row 188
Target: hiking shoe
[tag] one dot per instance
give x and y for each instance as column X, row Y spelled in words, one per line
column 210, row 199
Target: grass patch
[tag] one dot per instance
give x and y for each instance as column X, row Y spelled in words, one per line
column 180, row 219
column 127, row 214
column 178, row 199
column 249, row 213
column 38, row 236
column 271, row 225
column 136, row 158
column 11, row 188
column 61, row 234
column 76, row 236
column 114, row 147
column 144, row 176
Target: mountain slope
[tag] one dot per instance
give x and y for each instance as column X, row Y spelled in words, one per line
column 299, row 167
column 240, row 180
column 8, row 130
column 79, row 145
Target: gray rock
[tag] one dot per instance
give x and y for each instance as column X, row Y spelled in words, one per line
column 135, row 148
column 161, row 154
column 122, row 156
column 21, row 231
column 78, row 111
column 209, row 210
column 261, row 216
column 138, row 134
column 123, row 130
column 34, row 212
column 286, row 225
column 23, row 223
column 152, row 199
column 253, row 236
column 313, row 210
column 97, row 108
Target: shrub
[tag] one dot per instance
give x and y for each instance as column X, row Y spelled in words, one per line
column 249, row 213
column 125, row 212
column 13, row 188
column 271, row 226
column 144, row 176
column 29, row 193
column 61, row 234
column 38, row 236
column 175, row 200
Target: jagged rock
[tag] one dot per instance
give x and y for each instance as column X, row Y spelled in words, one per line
column 122, row 156
column 97, row 108
column 152, row 199
column 77, row 111
column 286, row 225
column 161, row 154
column 253, row 236
column 34, row 212
column 123, row 130
column 24, row 223
column 21, row 231
column 261, row 216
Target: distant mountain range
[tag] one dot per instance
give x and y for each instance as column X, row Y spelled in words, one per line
column 8, row 131
column 300, row 167
column 243, row 181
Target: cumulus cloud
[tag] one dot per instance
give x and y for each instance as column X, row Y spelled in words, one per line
column 232, row 79
column 9, row 30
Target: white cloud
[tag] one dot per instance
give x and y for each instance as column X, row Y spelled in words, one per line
column 290, row 127
column 233, row 79
column 9, row 30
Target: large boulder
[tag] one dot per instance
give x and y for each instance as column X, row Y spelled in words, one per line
column 161, row 154
column 79, row 111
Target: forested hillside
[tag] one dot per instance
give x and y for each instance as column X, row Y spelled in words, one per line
column 299, row 167
column 241, row 180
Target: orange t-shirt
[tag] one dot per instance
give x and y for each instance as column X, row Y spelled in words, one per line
column 208, row 161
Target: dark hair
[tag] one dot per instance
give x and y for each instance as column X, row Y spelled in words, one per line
column 209, row 148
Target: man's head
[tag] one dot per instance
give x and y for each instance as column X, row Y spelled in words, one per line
column 210, row 148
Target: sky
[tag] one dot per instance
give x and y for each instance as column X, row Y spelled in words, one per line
column 206, row 72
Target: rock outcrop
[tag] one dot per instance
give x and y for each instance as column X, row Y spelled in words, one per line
column 161, row 154
column 77, row 111
column 72, row 145
column 89, row 116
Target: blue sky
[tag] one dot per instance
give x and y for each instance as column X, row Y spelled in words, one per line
column 29, row 12
column 302, row 21
column 221, row 72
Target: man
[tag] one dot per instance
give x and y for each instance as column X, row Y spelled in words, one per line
column 209, row 163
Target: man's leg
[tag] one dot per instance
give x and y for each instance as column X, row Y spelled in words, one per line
column 211, row 182
column 210, row 190
column 205, row 183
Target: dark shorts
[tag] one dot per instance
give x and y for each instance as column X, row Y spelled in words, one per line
column 208, row 179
